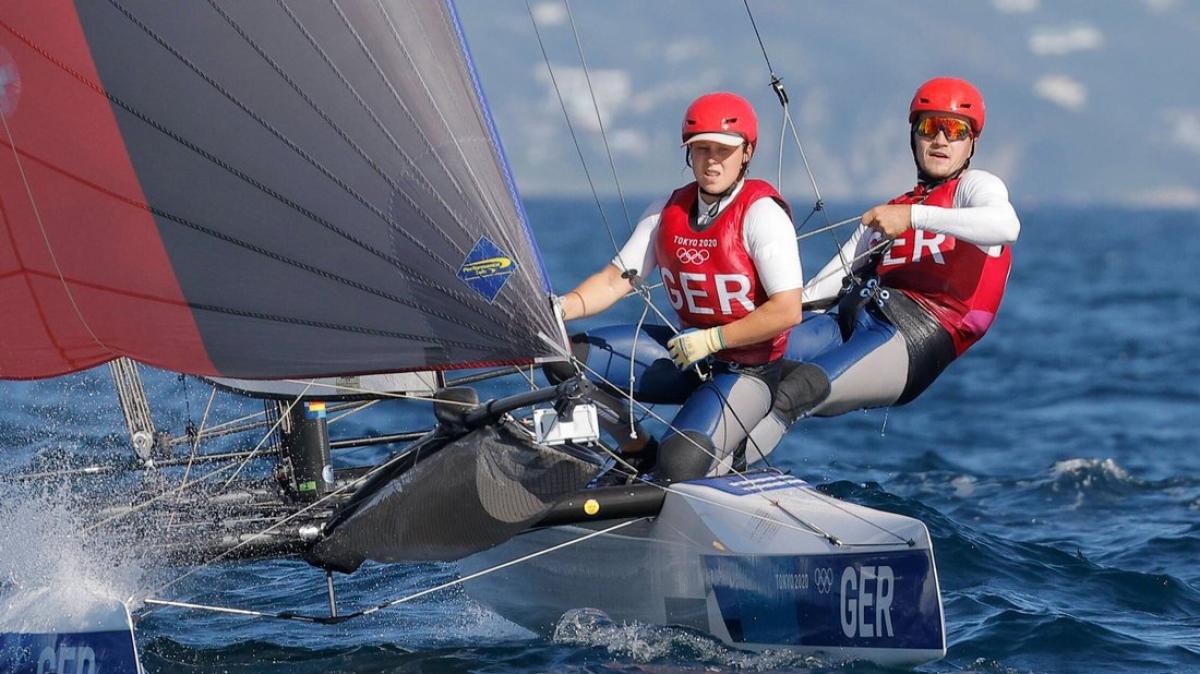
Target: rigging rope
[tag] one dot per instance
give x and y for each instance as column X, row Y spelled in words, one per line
column 354, row 410
column 256, row 536
column 197, row 436
column 571, row 127
column 632, row 275
column 268, row 435
column 789, row 124
column 333, row 620
column 599, row 119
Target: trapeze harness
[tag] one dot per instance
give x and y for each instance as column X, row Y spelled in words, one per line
column 911, row 310
column 710, row 280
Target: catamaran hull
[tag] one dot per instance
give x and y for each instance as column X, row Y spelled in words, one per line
column 44, row 633
column 744, row 564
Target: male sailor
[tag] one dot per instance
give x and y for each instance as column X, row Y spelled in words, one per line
column 726, row 250
column 917, row 284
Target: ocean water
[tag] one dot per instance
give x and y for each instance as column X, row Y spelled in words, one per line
column 1057, row 466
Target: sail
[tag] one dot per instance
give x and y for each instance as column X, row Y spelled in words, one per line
column 256, row 190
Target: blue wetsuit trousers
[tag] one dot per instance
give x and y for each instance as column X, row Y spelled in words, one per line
column 716, row 414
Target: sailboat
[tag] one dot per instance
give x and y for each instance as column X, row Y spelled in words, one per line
column 309, row 204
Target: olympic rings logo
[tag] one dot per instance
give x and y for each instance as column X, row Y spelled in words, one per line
column 691, row 255
column 823, row 579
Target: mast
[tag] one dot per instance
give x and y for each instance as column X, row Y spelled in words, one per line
column 305, row 434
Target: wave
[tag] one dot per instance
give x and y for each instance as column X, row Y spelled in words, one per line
column 678, row 649
column 603, row 649
column 1024, row 638
column 969, row 558
column 1085, row 473
column 162, row 655
column 51, row 566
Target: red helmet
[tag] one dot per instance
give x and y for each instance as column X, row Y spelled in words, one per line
column 721, row 112
column 949, row 94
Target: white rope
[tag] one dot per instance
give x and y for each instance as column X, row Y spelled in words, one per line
column 349, row 412
column 195, row 445
column 828, row 228
column 224, row 424
column 147, row 502
column 199, row 434
column 637, row 332
column 206, row 607
column 861, row 256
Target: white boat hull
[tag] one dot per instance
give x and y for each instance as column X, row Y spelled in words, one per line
column 741, row 559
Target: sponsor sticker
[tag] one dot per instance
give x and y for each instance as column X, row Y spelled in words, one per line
column 487, row 268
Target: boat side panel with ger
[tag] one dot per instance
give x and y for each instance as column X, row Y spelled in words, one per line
column 759, row 561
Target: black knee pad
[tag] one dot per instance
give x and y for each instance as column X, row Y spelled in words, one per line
column 802, row 387
column 680, row 459
column 559, row 371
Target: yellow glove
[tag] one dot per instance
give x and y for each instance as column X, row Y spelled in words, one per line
column 693, row 345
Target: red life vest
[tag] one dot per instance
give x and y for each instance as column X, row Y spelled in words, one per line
column 960, row 285
column 709, row 276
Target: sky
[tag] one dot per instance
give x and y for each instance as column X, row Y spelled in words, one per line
column 1089, row 102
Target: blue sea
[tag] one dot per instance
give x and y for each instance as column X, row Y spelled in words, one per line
column 1057, row 466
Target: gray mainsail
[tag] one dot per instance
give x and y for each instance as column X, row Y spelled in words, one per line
column 258, row 190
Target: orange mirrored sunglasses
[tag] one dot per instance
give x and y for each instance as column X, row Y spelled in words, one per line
column 955, row 129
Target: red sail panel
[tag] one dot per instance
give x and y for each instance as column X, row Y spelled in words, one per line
column 84, row 276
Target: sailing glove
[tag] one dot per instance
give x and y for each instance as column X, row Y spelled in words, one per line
column 692, row 345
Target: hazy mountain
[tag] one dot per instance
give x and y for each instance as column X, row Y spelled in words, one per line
column 1088, row 101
